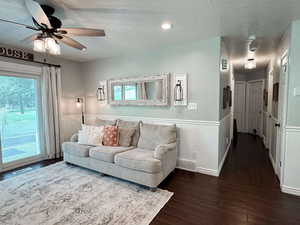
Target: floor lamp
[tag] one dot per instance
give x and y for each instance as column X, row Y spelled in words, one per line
column 79, row 104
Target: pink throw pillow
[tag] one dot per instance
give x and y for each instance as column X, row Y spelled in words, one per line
column 111, row 136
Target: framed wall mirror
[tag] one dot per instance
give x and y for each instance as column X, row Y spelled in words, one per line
column 143, row 91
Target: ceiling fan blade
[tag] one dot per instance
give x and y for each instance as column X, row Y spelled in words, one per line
column 20, row 24
column 82, row 32
column 38, row 13
column 70, row 42
column 31, row 38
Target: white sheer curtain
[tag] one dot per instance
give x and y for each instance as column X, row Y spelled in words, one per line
column 51, row 97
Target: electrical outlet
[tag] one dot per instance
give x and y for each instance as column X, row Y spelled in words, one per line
column 297, row 91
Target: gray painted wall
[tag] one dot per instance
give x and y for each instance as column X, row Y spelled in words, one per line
column 293, row 115
column 199, row 59
column 224, row 80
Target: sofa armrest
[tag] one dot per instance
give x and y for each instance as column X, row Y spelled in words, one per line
column 74, row 138
column 161, row 150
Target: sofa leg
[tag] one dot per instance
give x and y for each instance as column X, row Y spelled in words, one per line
column 153, row 189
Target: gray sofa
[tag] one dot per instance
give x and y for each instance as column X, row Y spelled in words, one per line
column 148, row 161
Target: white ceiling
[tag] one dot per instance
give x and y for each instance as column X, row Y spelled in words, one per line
column 134, row 25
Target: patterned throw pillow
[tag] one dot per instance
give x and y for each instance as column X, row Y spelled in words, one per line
column 90, row 135
column 111, row 136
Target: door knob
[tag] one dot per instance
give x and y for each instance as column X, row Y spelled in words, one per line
column 277, row 124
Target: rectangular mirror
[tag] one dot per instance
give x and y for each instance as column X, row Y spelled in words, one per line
column 150, row 90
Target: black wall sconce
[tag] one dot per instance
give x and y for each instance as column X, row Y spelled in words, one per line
column 100, row 93
column 178, row 91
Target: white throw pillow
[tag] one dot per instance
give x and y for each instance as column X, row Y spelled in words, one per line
column 91, row 135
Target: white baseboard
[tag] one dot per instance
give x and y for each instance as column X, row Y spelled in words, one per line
column 223, row 160
column 290, row 190
column 186, row 164
column 206, row 171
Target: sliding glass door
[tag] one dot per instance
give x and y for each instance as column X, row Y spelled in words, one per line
column 20, row 116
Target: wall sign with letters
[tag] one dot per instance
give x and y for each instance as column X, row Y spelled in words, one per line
column 15, row 53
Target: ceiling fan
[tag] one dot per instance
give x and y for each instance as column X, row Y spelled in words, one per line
column 50, row 30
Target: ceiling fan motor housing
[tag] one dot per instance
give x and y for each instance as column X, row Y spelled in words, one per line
column 54, row 21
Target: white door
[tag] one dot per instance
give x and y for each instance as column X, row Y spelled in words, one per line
column 240, row 105
column 255, row 106
column 281, row 113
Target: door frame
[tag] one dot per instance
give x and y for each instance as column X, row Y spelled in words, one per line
column 247, row 104
column 280, row 149
column 244, row 130
column 31, row 72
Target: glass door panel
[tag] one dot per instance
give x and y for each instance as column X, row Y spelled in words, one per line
column 19, row 118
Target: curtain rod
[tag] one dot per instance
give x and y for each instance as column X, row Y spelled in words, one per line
column 39, row 62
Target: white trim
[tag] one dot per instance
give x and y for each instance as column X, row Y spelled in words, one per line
column 280, row 156
column 20, row 68
column 157, row 120
column 206, row 171
column 186, row 164
column 292, row 129
column 290, row 190
column 224, row 158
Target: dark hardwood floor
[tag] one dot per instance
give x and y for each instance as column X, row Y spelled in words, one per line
column 247, row 192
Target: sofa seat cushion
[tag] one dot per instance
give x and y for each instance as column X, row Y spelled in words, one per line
column 74, row 148
column 139, row 159
column 107, row 153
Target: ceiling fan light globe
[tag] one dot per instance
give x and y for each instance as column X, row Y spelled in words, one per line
column 52, row 46
column 39, row 45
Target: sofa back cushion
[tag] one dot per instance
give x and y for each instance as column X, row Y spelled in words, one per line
column 131, row 124
column 152, row 135
column 100, row 122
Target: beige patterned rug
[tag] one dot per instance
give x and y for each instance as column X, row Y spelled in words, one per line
column 65, row 195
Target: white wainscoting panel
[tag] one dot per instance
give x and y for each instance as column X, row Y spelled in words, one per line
column 197, row 141
column 224, row 140
column 291, row 162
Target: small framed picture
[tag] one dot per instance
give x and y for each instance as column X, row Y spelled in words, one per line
column 224, row 98
column 265, row 97
column 275, row 92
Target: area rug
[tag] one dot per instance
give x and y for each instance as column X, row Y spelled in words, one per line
column 64, row 194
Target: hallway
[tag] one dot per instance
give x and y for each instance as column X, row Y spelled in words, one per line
column 246, row 193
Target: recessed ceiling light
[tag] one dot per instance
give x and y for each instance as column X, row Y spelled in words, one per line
column 166, row 26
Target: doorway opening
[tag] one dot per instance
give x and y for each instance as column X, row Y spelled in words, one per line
column 260, row 93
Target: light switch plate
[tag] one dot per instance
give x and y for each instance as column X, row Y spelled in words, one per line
column 192, row 106
column 297, row 91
